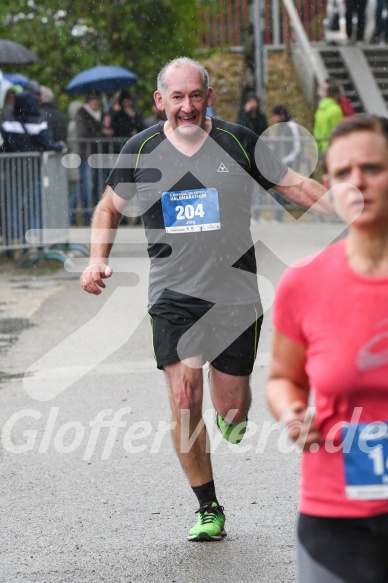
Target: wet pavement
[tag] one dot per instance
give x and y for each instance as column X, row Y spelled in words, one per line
column 91, row 489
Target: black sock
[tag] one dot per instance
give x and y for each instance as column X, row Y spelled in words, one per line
column 206, row 493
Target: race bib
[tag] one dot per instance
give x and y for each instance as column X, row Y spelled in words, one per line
column 186, row 211
column 366, row 461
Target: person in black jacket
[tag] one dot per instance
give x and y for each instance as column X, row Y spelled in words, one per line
column 126, row 121
column 250, row 114
column 56, row 120
column 25, row 130
column 92, row 130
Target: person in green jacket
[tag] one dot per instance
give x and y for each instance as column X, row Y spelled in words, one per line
column 327, row 116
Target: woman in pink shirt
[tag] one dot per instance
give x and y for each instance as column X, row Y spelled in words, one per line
column 328, row 379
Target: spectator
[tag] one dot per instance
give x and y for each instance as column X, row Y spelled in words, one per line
column 9, row 101
column 74, row 172
column 327, row 116
column 380, row 34
column 156, row 117
column 345, row 103
column 358, row 7
column 127, row 121
column 91, row 132
column 26, row 131
column 290, row 145
column 56, row 121
column 250, row 114
column 33, row 87
column 113, row 104
column 5, row 84
column 287, row 145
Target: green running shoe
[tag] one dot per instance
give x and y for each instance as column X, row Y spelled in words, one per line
column 230, row 431
column 210, row 524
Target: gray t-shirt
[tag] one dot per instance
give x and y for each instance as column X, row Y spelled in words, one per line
column 196, row 211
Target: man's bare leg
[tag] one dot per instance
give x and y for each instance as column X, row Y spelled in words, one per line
column 185, row 385
column 231, row 395
column 186, row 393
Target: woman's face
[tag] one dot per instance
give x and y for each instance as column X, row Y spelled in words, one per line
column 358, row 177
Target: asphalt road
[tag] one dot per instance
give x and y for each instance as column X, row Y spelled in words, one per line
column 91, row 489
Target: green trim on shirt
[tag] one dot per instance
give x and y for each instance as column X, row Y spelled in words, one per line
column 142, row 146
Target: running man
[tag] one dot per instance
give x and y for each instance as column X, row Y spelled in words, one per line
column 192, row 177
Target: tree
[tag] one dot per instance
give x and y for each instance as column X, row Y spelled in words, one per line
column 69, row 36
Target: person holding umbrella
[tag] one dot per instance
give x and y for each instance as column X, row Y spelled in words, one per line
column 93, row 127
column 126, row 121
column 91, row 130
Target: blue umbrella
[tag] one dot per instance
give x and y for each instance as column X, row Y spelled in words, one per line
column 16, row 78
column 101, row 78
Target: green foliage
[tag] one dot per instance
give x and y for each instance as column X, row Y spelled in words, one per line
column 69, row 37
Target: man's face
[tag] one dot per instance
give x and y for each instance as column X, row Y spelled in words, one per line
column 185, row 101
column 358, row 169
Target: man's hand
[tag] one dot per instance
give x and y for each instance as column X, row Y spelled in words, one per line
column 91, row 278
column 300, row 423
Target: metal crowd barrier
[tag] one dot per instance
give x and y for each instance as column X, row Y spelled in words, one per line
column 86, row 184
column 34, row 198
column 270, row 205
column 20, row 195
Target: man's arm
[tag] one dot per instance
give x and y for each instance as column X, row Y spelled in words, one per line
column 105, row 221
column 305, row 192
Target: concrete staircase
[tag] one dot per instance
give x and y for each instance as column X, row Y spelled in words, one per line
column 377, row 58
column 338, row 70
column 361, row 70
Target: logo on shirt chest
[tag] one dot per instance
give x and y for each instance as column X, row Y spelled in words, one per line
column 374, row 353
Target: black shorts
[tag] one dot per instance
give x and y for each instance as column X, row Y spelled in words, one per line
column 214, row 338
column 343, row 550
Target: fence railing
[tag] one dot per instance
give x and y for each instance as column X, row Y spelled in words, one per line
column 225, row 22
column 33, row 198
column 42, row 192
column 86, row 184
column 298, row 150
column 20, row 196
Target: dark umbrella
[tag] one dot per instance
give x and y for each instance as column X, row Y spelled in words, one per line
column 101, row 78
column 12, row 53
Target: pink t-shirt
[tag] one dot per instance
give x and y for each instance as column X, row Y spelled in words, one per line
column 342, row 320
